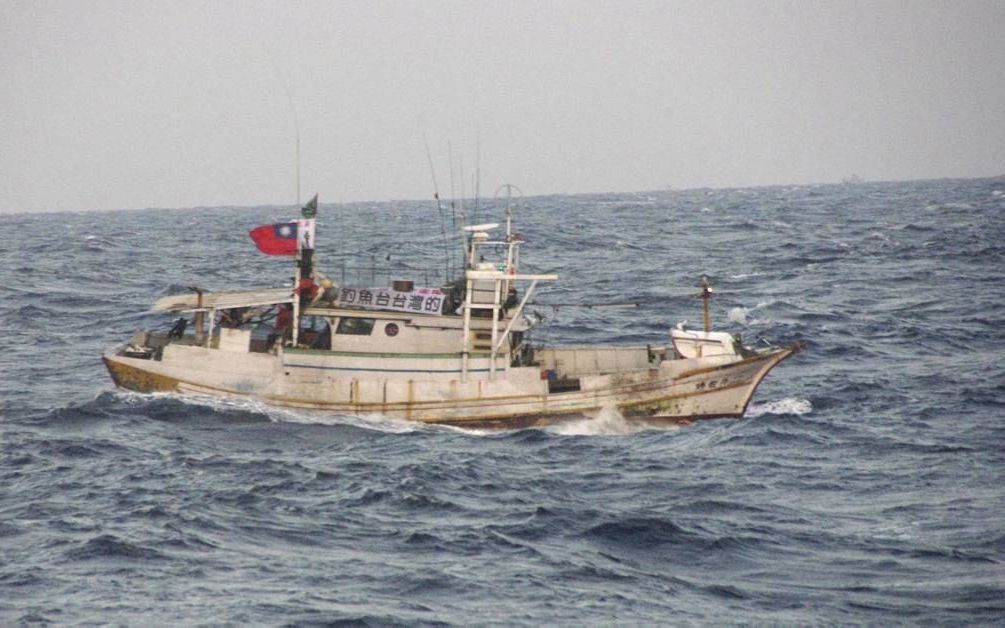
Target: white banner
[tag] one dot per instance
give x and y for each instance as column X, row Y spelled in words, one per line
column 305, row 233
column 418, row 301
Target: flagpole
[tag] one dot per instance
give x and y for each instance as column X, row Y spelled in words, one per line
column 296, row 300
column 305, row 248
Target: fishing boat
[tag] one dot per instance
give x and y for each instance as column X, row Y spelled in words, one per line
column 456, row 354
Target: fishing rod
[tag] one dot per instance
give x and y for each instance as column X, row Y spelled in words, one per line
column 478, row 173
column 595, row 306
column 439, row 208
column 706, row 291
column 456, row 205
column 453, row 194
column 293, row 109
column 460, row 200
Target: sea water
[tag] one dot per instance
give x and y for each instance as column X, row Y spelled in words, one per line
column 866, row 483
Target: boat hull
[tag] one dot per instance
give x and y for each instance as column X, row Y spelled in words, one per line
column 675, row 391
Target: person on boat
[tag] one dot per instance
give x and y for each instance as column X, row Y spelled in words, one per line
column 511, row 299
column 178, row 330
column 232, row 318
column 329, row 292
column 283, row 327
column 308, row 291
column 323, row 340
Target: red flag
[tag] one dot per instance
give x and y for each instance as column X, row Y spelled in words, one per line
column 277, row 239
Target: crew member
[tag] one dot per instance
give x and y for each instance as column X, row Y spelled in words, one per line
column 307, row 290
column 283, row 328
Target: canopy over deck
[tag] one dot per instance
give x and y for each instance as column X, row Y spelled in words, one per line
column 223, row 300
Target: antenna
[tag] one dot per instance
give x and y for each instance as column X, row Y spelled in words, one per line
column 512, row 241
column 509, row 188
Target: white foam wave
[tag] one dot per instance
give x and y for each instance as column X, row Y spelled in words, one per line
column 743, row 315
column 280, row 414
column 789, row 405
column 879, row 236
column 378, row 422
column 608, row 421
column 742, row 276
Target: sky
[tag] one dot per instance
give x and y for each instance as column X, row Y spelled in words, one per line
column 117, row 105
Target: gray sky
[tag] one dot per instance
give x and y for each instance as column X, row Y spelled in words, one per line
column 109, row 105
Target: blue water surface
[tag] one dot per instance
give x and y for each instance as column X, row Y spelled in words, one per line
column 865, row 484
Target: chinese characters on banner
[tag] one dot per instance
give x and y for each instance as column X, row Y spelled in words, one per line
column 419, row 300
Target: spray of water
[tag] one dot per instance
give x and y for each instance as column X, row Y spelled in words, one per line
column 608, row 421
column 789, row 405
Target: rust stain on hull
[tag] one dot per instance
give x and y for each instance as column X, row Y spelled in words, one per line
column 132, row 378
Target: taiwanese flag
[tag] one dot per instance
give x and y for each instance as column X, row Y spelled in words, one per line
column 277, row 239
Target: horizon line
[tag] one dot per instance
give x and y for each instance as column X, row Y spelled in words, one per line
column 667, row 189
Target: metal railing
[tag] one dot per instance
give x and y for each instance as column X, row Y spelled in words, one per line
column 378, row 273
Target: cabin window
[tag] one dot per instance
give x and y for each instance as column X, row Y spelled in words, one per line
column 355, row 326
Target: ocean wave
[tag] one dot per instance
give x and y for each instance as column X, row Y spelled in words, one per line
column 110, row 547
column 644, row 532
